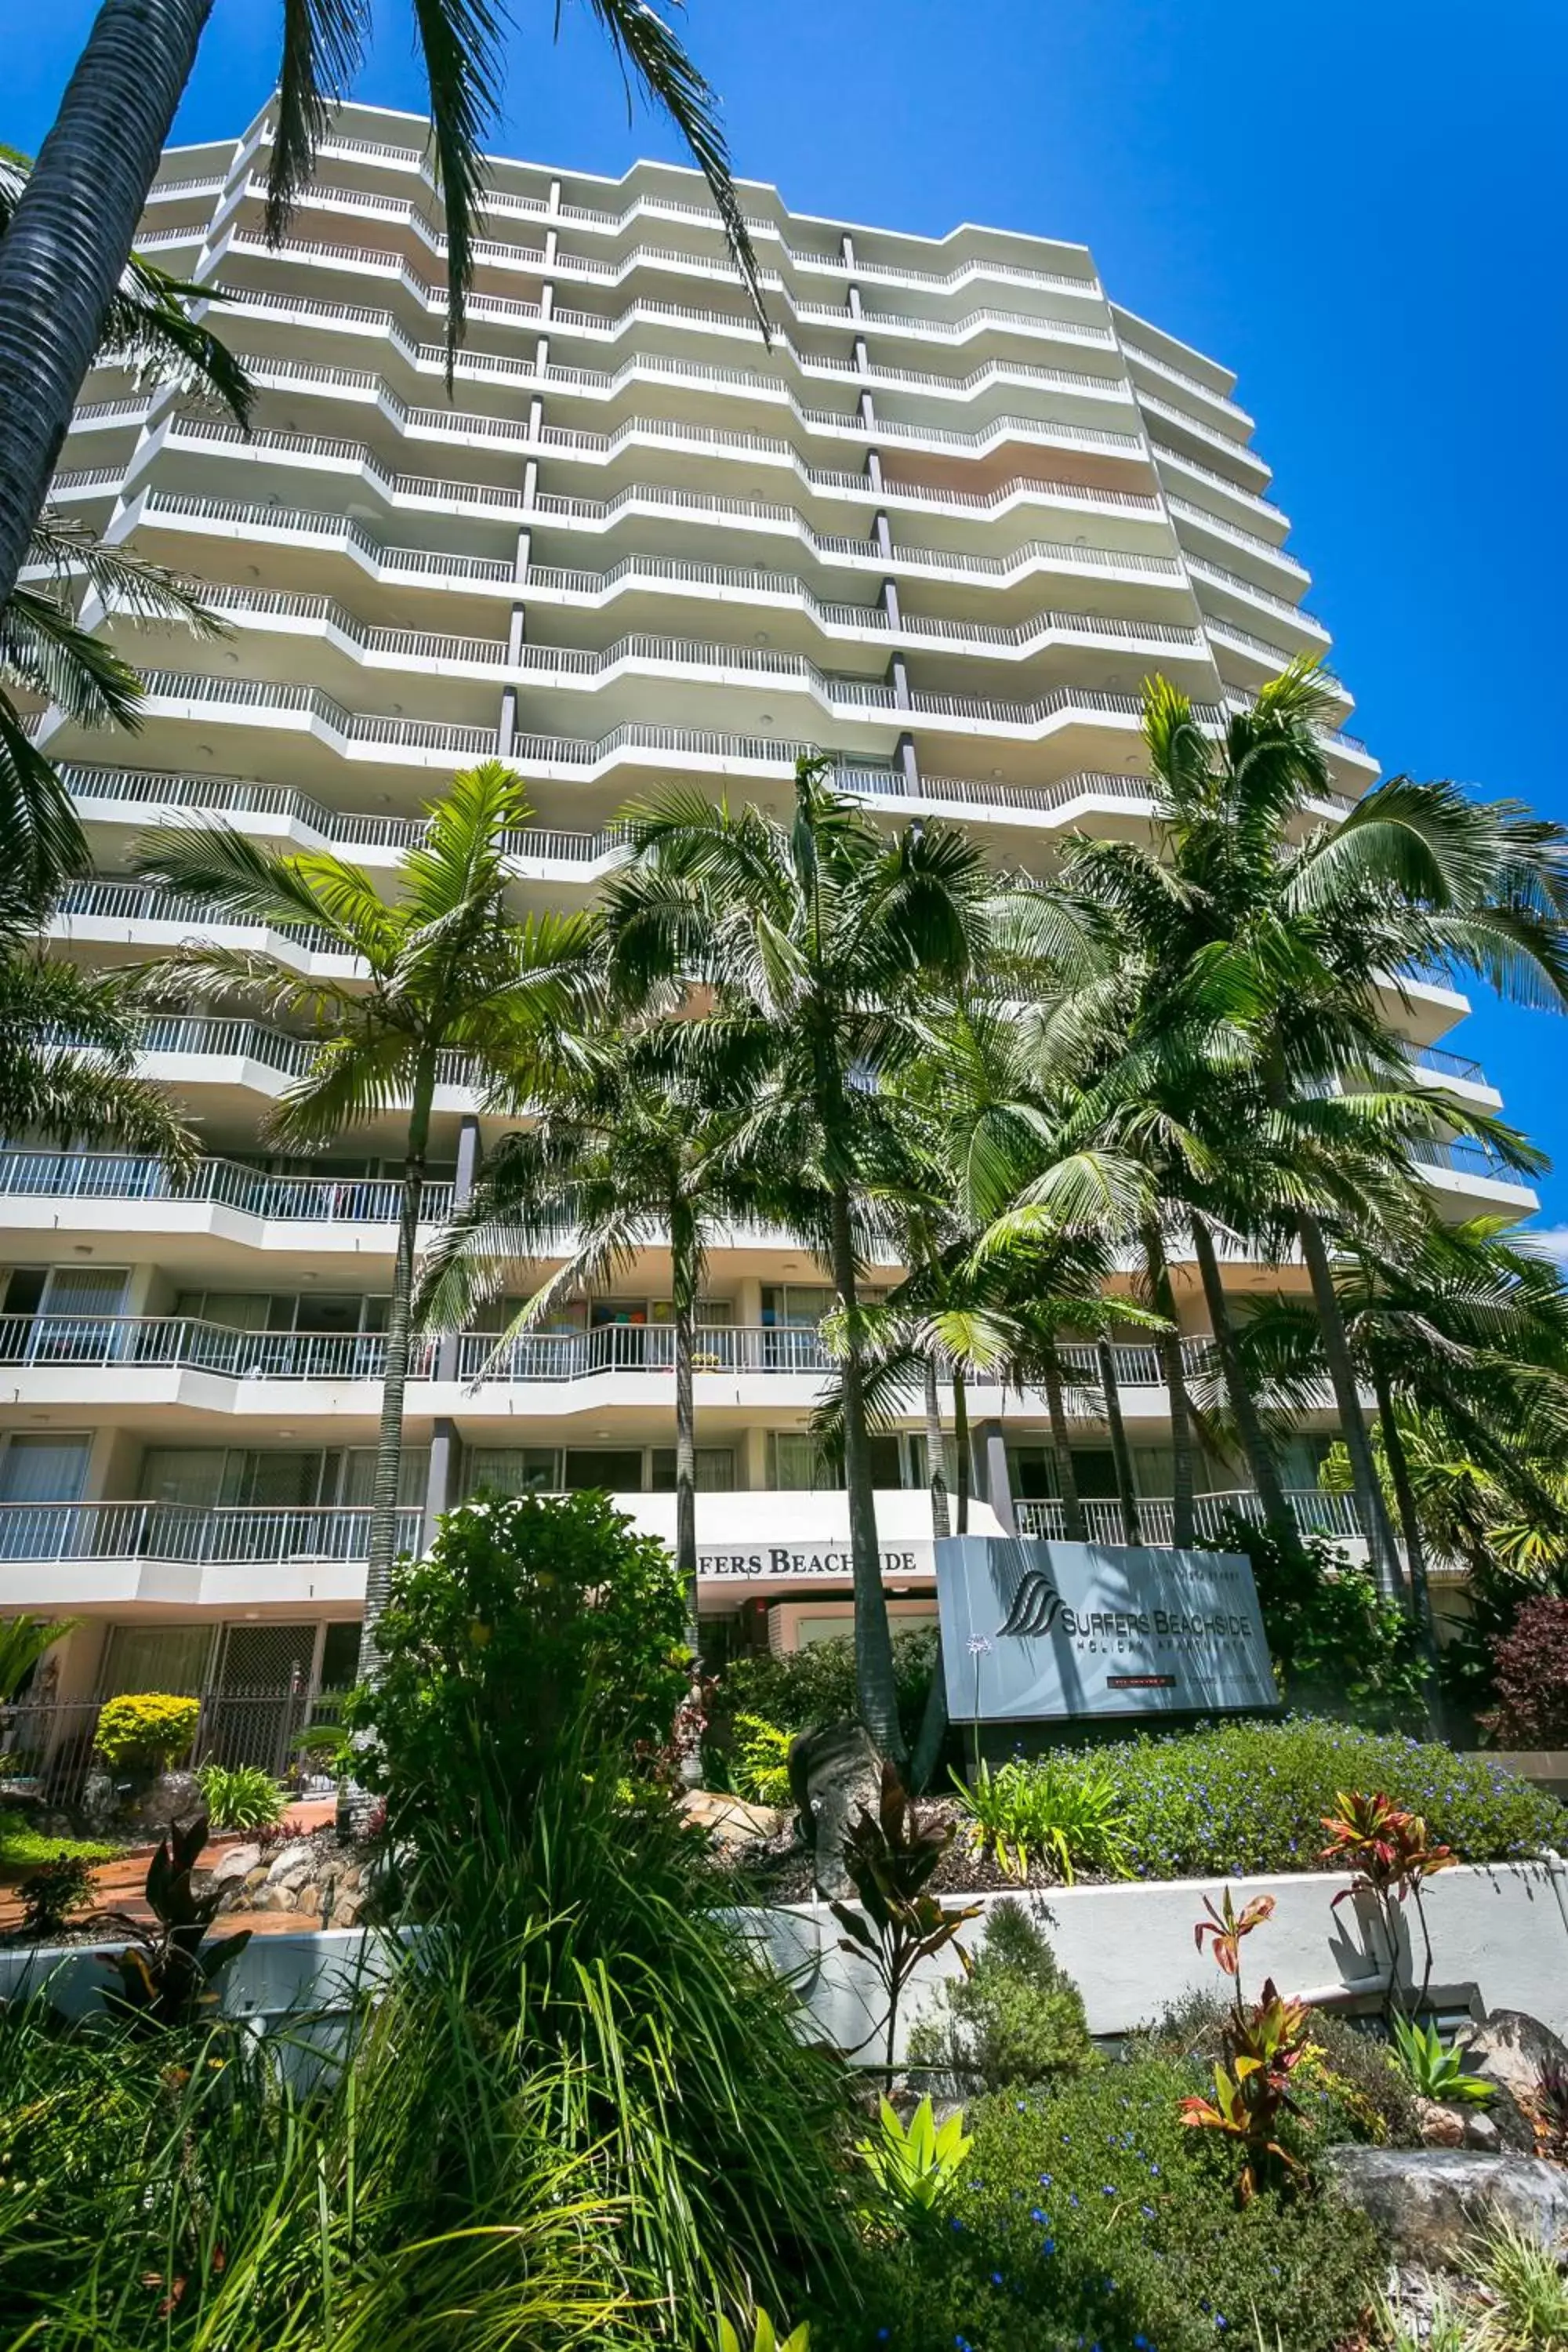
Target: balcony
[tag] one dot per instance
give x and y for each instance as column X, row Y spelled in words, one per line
column 111, row 1557
column 228, row 1184
column 1315, row 1512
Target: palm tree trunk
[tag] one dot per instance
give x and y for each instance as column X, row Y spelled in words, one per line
column 961, row 1447
column 683, row 1286
column 70, row 238
column 936, row 1453
column 382, row 1547
column 1073, row 1527
column 1254, row 1446
column 1409, row 1517
column 1373, row 1510
column 1175, row 1373
column 874, row 1680
column 1120, row 1454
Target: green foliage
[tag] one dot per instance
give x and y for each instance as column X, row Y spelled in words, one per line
column 1013, row 2017
column 240, row 1796
column 1530, row 2312
column 52, row 1892
column 1337, row 1643
column 1435, row 2068
column 1067, row 1816
column 530, row 1613
column 817, row 1685
column 765, row 2338
column 761, row 1768
column 915, row 2166
column 1089, row 2210
column 1251, row 1797
column 146, row 1731
column 1349, row 2079
column 23, row 1642
column 890, row 1856
column 22, row 1847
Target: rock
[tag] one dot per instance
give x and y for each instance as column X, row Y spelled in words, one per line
column 1512, row 2047
column 346, row 1912
column 168, row 1798
column 290, row 1857
column 730, row 1821
column 833, row 1772
column 273, row 1899
column 1481, row 2131
column 1428, row 2203
column 238, row 1862
column 1439, row 2127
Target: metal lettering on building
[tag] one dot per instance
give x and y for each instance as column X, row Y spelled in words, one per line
column 1033, row 1631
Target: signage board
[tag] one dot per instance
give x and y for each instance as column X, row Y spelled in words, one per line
column 1034, row 1631
column 812, row 1560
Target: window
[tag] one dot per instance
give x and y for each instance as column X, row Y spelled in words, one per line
column 512, row 1469
column 619, row 1472
column 796, row 1464
column 715, row 1470
column 358, row 1477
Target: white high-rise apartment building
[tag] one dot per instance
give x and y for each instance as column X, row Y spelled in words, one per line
column 943, row 528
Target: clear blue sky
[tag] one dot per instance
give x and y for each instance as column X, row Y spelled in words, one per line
column 1359, row 207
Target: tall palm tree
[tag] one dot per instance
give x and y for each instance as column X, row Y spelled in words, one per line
column 1290, row 945
column 807, row 945
column 451, row 986
column 69, row 239
column 631, row 1148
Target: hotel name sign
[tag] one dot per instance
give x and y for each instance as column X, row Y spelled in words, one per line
column 1034, row 1631
column 804, row 1563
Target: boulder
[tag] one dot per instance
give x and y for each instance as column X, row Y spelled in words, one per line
column 833, row 1772
column 235, row 1864
column 1512, row 2047
column 730, row 1821
column 168, row 1797
column 1427, row 2204
column 1481, row 2131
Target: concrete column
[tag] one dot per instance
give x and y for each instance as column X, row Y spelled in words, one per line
column 439, row 1478
column 516, row 635
column 899, row 679
column 873, row 469
column 992, row 1482
column 862, row 359
column 552, row 237
column 889, row 604
column 556, row 196
column 908, row 765
column 867, row 415
column 854, row 302
column 547, row 300
column 882, row 533
column 462, row 1193
column 542, row 355
column 846, row 249
column 530, row 483
column 507, row 733
column 535, row 418
column 524, row 551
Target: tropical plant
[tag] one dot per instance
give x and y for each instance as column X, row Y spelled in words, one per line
column 1435, row 2068
column 1225, row 1928
column 168, row 1971
column 146, row 1731
column 914, row 2166
column 761, row 1767
column 1039, row 1809
column 634, row 1137
column 1530, row 1678
column 1336, row 1642
column 1233, row 1013
column 817, row 1685
column 1013, row 2017
column 890, row 1856
column 1393, row 1856
column 68, row 237
column 49, row 1893
column 529, row 1614
column 765, row 2337
column 815, row 940
column 240, row 1796
column 1264, row 2045
column 25, row 1641
column 448, row 972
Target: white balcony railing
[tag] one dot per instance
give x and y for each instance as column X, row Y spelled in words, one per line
column 124, row 1176
column 197, row 1534
column 1315, row 1513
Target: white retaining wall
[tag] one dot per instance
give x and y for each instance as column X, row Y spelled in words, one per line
column 1499, row 1937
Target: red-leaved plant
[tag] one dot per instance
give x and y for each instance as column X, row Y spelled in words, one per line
column 1392, row 1854
column 1264, row 2045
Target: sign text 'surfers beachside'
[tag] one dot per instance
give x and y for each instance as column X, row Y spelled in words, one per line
column 1033, row 1631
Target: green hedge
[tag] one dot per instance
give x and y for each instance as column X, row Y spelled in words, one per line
column 1244, row 1797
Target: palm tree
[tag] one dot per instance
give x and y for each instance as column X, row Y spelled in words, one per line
column 809, row 943
column 69, row 238
column 1287, row 945
column 632, row 1146
column 67, row 1071
column 451, row 987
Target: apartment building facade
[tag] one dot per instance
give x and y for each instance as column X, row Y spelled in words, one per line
column 942, row 528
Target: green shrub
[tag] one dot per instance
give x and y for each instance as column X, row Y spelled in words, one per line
column 1064, row 1817
column 530, row 1614
column 22, row 1847
column 240, row 1796
column 1352, row 2079
column 1014, row 2019
column 761, row 1769
column 52, row 1892
column 1251, row 1796
column 1338, row 1644
column 146, row 1731
column 1090, row 2211
column 816, row 1684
